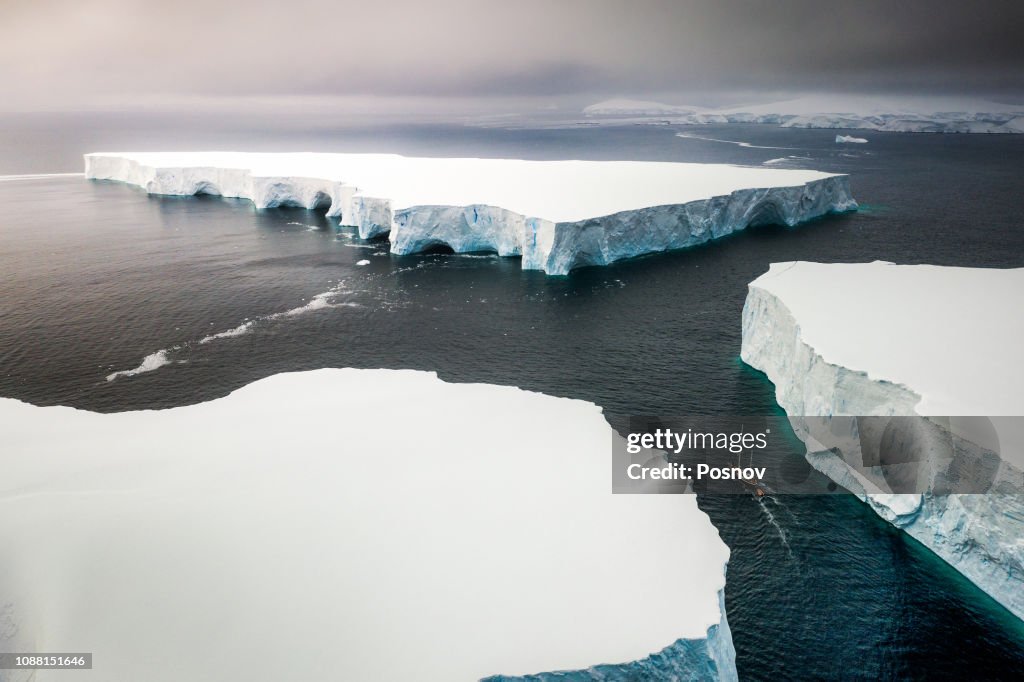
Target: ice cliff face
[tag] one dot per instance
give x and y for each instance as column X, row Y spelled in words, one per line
column 687, row 660
column 558, row 248
column 239, row 183
column 561, row 247
column 981, row 535
column 556, row 216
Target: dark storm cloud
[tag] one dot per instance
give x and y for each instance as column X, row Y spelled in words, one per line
column 66, row 53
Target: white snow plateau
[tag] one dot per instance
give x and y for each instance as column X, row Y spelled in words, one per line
column 289, row 532
column 555, row 215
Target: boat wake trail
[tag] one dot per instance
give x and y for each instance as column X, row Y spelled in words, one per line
column 783, row 535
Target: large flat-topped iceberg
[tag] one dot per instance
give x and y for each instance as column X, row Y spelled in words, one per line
column 876, row 338
column 288, row 531
column 556, row 215
column 950, row 335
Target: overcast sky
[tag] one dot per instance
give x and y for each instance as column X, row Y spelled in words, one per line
column 71, row 54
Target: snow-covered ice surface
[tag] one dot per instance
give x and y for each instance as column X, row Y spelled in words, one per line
column 289, row 531
column 883, row 339
column 556, row 215
column 916, row 114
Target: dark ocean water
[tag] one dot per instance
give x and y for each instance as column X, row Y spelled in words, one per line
column 95, row 277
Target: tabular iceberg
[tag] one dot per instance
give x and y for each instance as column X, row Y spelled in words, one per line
column 882, row 339
column 556, row 215
column 286, row 531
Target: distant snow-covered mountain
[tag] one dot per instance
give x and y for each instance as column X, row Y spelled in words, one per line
column 916, row 114
column 636, row 107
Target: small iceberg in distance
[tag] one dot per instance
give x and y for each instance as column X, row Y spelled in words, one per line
column 850, row 139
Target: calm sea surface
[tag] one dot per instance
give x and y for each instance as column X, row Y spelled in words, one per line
column 99, row 278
